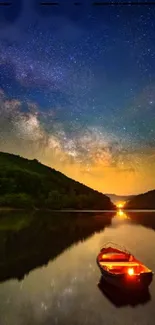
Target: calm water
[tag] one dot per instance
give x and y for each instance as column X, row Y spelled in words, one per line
column 65, row 290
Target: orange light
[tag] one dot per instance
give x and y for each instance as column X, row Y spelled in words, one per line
column 120, row 213
column 131, row 271
column 120, row 205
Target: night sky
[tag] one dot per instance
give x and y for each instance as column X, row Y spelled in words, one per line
column 77, row 91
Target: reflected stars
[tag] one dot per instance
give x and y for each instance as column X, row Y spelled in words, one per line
column 43, row 306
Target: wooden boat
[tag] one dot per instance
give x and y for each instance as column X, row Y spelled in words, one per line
column 120, row 268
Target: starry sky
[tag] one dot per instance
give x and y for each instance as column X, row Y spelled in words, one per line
column 77, row 90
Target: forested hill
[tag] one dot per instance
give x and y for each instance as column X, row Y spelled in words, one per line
column 142, row 201
column 27, row 183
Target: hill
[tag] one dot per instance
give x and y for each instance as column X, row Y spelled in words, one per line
column 142, row 201
column 27, row 183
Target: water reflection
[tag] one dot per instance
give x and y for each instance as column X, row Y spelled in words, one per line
column 28, row 241
column 126, row 223
column 122, row 215
column 146, row 219
column 120, row 298
column 65, row 291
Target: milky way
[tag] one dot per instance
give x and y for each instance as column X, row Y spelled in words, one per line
column 77, row 91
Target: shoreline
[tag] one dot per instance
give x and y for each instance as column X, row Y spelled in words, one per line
column 9, row 209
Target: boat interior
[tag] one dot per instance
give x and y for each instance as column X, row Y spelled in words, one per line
column 121, row 268
column 119, row 263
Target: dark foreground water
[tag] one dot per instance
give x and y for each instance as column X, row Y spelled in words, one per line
column 48, row 268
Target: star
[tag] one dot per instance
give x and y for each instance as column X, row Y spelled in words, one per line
column 77, row 92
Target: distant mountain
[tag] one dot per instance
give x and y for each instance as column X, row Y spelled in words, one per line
column 142, row 201
column 28, row 183
column 119, row 198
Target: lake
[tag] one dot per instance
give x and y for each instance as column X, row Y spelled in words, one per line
column 48, row 270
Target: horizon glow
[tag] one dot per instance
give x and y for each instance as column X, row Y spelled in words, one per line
column 77, row 92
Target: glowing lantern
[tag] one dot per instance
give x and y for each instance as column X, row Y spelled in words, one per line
column 131, row 271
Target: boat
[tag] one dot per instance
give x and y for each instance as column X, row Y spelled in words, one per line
column 120, row 268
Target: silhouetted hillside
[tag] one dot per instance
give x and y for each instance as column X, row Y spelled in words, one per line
column 27, row 183
column 142, row 201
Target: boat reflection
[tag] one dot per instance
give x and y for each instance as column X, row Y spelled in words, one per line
column 124, row 297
